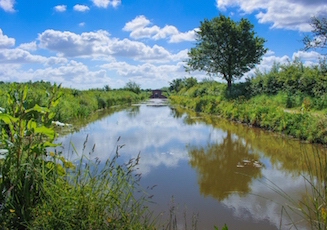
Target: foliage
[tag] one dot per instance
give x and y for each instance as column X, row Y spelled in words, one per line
column 319, row 31
column 177, row 84
column 262, row 114
column 133, row 87
column 224, row 227
column 41, row 189
column 190, row 82
column 226, row 48
column 73, row 103
column 106, row 88
column 291, row 99
column 23, row 170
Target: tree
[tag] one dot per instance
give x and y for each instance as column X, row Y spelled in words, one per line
column 133, row 87
column 226, row 48
column 176, row 84
column 319, row 31
column 106, row 88
column 190, row 82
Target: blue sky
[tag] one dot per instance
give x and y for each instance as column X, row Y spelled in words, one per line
column 91, row 43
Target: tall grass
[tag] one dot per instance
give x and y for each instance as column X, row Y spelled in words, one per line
column 42, row 190
column 303, row 125
column 73, row 103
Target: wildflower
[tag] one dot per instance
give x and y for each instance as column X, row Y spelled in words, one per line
column 11, row 210
column 49, row 213
column 108, row 220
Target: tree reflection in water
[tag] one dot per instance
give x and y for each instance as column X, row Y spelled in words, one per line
column 133, row 111
column 216, row 168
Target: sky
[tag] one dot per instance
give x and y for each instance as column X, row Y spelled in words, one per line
column 86, row 44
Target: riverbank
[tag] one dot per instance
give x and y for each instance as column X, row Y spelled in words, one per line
column 290, row 100
column 303, row 125
column 36, row 180
column 71, row 103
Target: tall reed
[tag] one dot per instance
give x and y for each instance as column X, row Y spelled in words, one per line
column 43, row 190
column 311, row 210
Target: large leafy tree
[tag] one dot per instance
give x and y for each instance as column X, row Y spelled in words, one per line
column 319, row 30
column 226, row 48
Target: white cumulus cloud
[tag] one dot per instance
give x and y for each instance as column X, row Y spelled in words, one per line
column 31, row 46
column 7, row 5
column 140, row 27
column 18, row 56
column 100, row 44
column 181, row 37
column 72, row 74
column 5, row 41
column 106, row 3
column 81, row 8
column 60, row 8
column 287, row 14
column 146, row 70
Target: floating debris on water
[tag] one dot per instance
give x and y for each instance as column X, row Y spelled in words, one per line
column 239, row 165
column 249, row 163
column 58, row 123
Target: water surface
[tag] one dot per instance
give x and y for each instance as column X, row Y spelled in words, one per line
column 194, row 158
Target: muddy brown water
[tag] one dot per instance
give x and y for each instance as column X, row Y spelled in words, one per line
column 218, row 170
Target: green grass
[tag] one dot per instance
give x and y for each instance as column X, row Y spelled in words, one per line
column 290, row 99
column 72, row 104
column 305, row 126
column 42, row 190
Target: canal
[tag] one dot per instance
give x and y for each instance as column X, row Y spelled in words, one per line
column 207, row 168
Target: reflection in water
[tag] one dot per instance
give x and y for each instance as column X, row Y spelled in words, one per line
column 284, row 153
column 216, row 168
column 194, row 157
column 133, row 111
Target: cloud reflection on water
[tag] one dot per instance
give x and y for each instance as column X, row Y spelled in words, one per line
column 170, row 139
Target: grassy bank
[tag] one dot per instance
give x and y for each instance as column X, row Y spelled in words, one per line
column 72, row 103
column 290, row 99
column 42, row 190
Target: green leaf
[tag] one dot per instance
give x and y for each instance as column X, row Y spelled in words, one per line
column 60, row 170
column 49, row 144
column 31, row 125
column 51, row 115
column 7, row 119
column 38, row 108
column 24, row 93
column 45, row 131
column 225, row 227
column 55, row 102
column 71, row 143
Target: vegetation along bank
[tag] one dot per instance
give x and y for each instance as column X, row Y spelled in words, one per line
column 73, row 103
column 290, row 99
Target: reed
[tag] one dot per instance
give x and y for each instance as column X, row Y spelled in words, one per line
column 310, row 211
column 43, row 190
